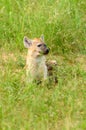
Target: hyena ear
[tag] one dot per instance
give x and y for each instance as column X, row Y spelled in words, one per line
column 27, row 42
column 42, row 37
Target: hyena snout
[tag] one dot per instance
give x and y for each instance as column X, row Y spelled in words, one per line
column 45, row 49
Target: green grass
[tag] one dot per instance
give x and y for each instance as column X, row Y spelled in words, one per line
column 32, row 107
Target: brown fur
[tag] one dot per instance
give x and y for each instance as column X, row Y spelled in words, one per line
column 36, row 66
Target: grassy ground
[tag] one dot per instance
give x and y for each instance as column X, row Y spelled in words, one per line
column 31, row 107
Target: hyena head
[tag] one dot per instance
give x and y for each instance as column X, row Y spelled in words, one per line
column 37, row 46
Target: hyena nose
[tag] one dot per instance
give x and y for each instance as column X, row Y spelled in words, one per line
column 47, row 50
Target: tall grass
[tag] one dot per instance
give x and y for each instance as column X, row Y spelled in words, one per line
column 62, row 23
column 32, row 107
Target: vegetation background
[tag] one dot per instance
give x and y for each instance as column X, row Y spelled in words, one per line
column 32, row 107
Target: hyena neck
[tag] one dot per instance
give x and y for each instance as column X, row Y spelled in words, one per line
column 36, row 60
column 40, row 59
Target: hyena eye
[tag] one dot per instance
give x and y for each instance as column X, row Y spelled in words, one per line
column 39, row 45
